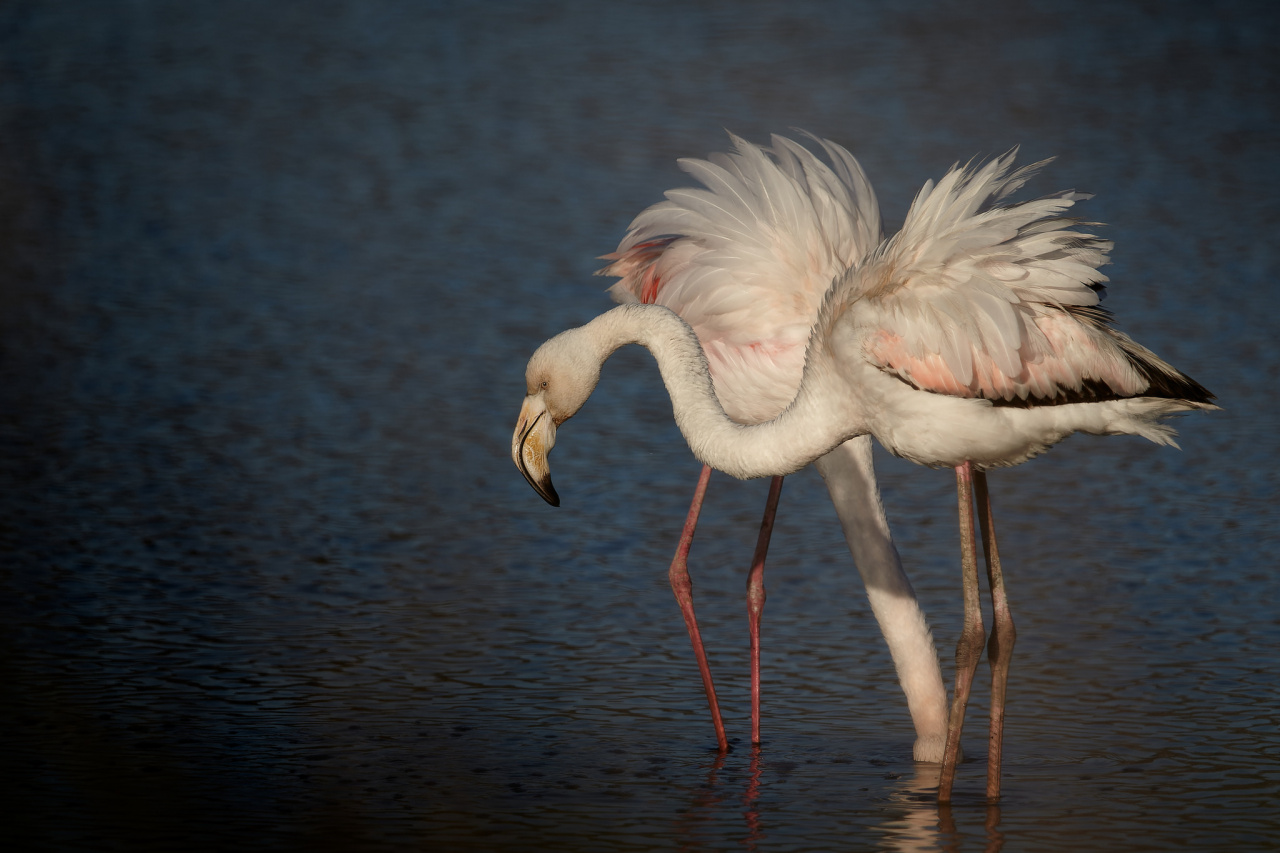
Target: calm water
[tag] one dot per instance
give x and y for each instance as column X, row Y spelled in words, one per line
column 269, row 579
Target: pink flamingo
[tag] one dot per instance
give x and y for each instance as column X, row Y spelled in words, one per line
column 746, row 263
column 972, row 339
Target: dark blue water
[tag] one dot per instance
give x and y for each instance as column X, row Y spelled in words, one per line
column 268, row 579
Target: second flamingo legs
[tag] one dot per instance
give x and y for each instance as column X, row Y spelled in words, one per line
column 755, row 600
column 971, row 485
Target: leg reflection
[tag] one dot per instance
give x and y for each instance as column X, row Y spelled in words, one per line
column 995, row 838
column 751, row 813
column 950, row 840
column 692, row 825
column 920, row 823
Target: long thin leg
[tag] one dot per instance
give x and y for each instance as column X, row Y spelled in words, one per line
column 755, row 599
column 1003, row 635
column 972, row 636
column 682, row 586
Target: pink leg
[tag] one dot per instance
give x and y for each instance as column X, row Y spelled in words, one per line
column 1003, row 635
column 682, row 586
column 972, row 636
column 755, row 600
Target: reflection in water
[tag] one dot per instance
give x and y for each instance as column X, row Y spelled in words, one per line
column 750, row 795
column 692, row 827
column 920, row 823
column 951, row 837
column 995, row 838
column 915, row 822
column 927, row 825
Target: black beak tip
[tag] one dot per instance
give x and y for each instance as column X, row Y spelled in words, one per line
column 543, row 487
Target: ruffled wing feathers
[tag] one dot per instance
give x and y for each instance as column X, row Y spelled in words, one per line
column 977, row 299
column 772, row 227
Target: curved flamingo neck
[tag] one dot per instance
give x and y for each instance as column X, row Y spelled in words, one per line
column 815, row 422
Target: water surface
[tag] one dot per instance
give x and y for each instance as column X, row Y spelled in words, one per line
column 270, row 580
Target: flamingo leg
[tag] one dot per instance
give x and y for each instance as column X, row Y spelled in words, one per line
column 682, row 586
column 972, row 636
column 755, row 600
column 1003, row 635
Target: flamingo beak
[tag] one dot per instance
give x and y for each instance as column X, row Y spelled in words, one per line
column 533, row 439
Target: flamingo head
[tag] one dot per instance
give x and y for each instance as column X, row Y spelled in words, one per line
column 560, row 377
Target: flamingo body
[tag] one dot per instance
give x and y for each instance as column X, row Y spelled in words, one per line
column 746, row 263
column 972, row 339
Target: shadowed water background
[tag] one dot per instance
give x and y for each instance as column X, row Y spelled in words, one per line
column 269, row 579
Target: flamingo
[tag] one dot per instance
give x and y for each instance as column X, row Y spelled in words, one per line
column 748, row 276
column 972, row 339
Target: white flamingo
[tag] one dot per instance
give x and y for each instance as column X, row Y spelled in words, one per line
column 746, row 263
column 972, row 339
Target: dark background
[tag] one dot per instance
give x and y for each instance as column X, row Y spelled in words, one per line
column 269, row 274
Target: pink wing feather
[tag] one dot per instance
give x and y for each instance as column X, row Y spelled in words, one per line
column 747, row 261
column 974, row 299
